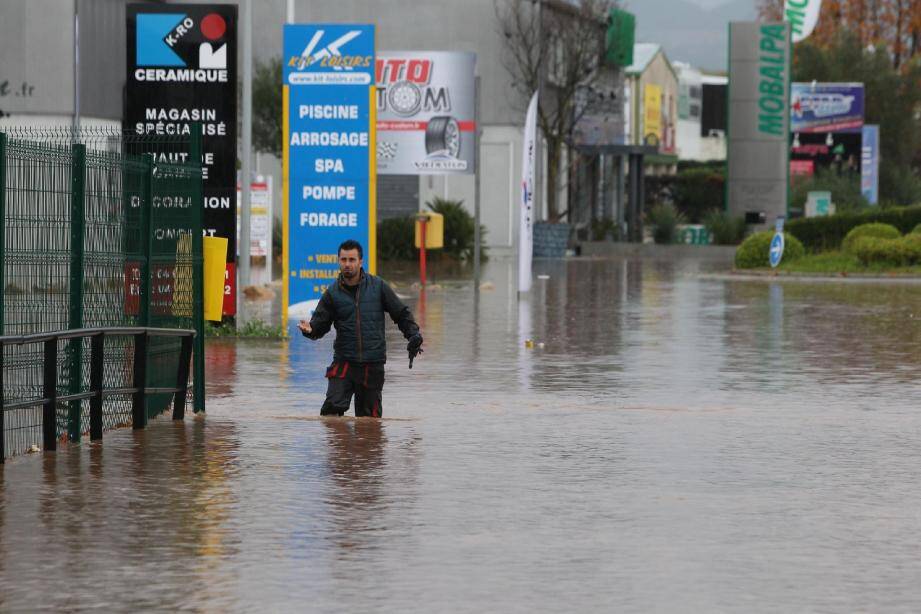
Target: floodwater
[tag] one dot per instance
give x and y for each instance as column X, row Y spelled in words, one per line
column 675, row 441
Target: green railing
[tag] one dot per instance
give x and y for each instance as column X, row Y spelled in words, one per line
column 44, row 408
column 97, row 229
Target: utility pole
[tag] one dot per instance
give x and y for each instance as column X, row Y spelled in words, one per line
column 539, row 188
column 76, row 70
column 477, row 239
column 243, row 241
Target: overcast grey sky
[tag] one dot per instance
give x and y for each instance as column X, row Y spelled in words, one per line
column 692, row 31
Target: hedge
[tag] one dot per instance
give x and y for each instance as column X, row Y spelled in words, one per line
column 875, row 230
column 827, row 233
column 904, row 251
column 754, row 251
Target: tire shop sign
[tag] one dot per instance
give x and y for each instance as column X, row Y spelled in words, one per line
column 426, row 113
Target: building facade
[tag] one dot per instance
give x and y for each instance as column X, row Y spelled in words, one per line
column 652, row 85
column 694, row 142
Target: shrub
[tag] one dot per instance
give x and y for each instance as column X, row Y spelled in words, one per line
column 697, row 191
column 754, row 251
column 903, row 251
column 604, row 228
column 845, row 191
column 665, row 220
column 827, row 233
column 916, row 230
column 395, row 238
column 459, row 229
column 725, row 229
column 876, row 229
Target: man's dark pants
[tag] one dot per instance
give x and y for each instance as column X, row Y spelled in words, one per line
column 365, row 381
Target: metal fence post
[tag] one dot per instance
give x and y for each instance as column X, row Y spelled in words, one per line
column 96, row 370
column 49, row 417
column 2, row 228
column 138, row 401
column 146, row 209
column 182, row 378
column 75, row 320
column 198, row 273
column 2, row 426
column 2, row 280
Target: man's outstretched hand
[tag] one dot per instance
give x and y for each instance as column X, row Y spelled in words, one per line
column 304, row 327
column 414, row 347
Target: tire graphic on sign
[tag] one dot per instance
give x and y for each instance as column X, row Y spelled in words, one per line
column 405, row 98
column 442, row 137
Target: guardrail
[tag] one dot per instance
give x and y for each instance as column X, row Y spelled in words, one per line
column 97, row 393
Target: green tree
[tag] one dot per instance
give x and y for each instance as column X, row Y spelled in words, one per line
column 267, row 111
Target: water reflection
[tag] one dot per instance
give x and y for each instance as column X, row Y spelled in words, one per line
column 355, row 456
column 73, row 519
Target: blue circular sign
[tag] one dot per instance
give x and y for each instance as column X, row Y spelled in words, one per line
column 776, row 253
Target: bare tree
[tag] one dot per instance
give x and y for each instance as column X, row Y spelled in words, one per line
column 555, row 46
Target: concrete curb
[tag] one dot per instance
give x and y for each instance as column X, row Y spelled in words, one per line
column 603, row 249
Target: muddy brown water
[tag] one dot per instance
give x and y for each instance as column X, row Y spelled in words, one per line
column 674, row 441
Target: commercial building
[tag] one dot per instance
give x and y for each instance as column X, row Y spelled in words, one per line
column 694, row 140
column 652, row 94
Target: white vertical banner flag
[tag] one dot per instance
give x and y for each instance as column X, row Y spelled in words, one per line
column 525, row 234
column 802, row 15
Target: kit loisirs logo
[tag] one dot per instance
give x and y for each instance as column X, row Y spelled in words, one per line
column 330, row 55
column 163, row 39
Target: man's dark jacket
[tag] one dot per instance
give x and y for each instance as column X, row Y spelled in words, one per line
column 359, row 319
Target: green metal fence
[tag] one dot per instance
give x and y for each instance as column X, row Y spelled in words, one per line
column 98, row 229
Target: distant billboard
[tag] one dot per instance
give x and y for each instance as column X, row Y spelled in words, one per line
column 426, row 112
column 826, row 107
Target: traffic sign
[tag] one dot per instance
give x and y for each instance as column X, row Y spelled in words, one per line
column 776, row 253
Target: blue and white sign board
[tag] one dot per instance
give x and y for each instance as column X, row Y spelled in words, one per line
column 826, row 107
column 329, row 155
column 869, row 163
column 776, row 253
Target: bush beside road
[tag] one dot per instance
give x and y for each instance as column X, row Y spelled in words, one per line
column 871, row 249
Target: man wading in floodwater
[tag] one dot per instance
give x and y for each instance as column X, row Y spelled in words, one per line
column 355, row 305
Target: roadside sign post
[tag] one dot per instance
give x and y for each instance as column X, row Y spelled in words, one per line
column 423, row 222
column 777, row 243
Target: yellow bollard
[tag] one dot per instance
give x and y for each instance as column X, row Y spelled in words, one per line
column 215, row 252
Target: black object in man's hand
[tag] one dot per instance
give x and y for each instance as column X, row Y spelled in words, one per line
column 414, row 347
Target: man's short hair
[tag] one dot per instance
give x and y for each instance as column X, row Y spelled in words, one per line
column 350, row 245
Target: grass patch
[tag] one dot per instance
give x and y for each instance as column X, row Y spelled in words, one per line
column 254, row 329
column 840, row 262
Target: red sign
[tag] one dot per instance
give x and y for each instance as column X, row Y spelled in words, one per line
column 230, row 289
column 393, row 70
column 132, row 288
column 802, row 168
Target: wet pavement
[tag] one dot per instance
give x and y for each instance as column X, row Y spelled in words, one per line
column 674, row 441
